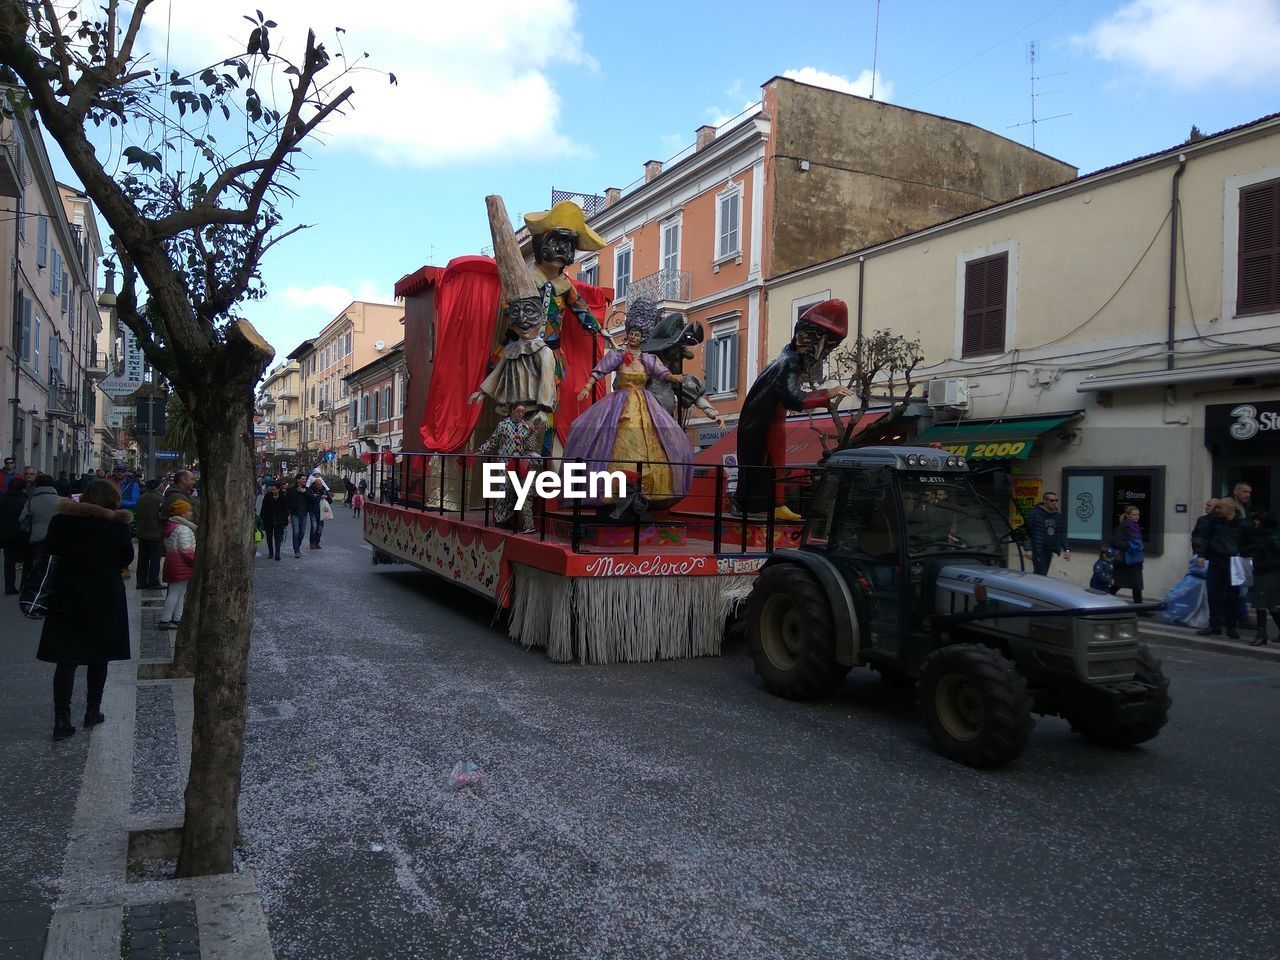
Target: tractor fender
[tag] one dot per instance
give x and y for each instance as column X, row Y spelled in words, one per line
column 838, row 597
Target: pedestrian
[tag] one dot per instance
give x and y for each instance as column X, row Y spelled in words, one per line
column 7, row 474
column 183, row 488
column 274, row 514
column 1104, row 569
column 63, row 484
column 149, row 526
column 13, row 539
column 1126, row 540
column 357, row 503
column 1265, row 592
column 299, row 504
column 1242, row 494
column 1048, row 533
column 179, row 562
column 42, row 502
column 318, row 490
column 363, row 486
column 88, row 619
column 1219, row 543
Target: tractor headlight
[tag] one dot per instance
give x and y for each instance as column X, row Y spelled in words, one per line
column 912, row 460
column 1127, row 630
column 953, row 462
column 1100, row 632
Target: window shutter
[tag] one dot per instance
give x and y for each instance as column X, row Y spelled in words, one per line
column 1258, row 283
column 42, row 241
column 731, row 362
column 986, row 284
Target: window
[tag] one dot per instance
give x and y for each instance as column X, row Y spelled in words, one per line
column 671, row 259
column 722, row 357
column 42, row 241
column 986, row 283
column 364, row 409
column 24, row 309
column 36, row 341
column 386, row 403
column 590, row 272
column 728, row 220
column 55, row 274
column 65, row 285
column 377, row 397
column 1258, row 285
column 22, row 211
column 621, row 271
column 403, row 391
column 1092, row 500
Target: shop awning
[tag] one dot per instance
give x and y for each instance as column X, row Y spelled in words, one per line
column 1009, row 438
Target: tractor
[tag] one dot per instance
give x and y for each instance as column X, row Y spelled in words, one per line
column 899, row 568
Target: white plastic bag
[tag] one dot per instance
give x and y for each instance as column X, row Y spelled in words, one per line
column 326, row 511
column 1241, row 572
column 465, row 774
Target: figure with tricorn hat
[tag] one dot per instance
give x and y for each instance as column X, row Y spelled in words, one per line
column 762, row 445
column 672, row 341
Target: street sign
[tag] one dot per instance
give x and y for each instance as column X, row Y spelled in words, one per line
column 330, row 456
column 168, row 455
column 131, row 379
column 116, row 387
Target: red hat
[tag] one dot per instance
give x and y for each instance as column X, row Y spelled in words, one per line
column 829, row 315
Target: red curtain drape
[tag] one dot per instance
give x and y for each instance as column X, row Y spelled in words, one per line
column 581, row 352
column 467, row 299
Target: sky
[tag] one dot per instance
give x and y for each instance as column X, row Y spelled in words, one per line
column 517, row 97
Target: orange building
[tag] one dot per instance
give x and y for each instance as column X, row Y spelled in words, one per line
column 806, row 174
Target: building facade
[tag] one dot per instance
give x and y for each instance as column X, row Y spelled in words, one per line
column 279, row 414
column 377, row 393
column 357, row 335
column 807, row 174
column 1112, row 339
column 48, row 295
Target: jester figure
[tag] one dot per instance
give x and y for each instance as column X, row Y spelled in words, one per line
column 528, row 365
column 762, row 444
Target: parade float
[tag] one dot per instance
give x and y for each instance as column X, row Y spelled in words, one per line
column 525, row 393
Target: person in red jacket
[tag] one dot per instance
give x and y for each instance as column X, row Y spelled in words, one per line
column 179, row 561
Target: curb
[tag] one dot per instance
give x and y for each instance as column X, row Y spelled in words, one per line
column 97, row 905
column 1173, row 636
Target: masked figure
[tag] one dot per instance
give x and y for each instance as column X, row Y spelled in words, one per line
column 516, row 440
column 672, row 341
column 762, row 424
column 630, row 425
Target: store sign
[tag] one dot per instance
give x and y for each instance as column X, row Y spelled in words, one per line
column 1085, row 508
column 1242, row 425
column 991, row 449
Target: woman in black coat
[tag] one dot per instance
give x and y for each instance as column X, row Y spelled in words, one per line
column 13, row 539
column 88, row 619
column 1126, row 541
column 1220, row 540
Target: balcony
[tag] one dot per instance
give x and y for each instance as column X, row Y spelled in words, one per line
column 369, row 428
column 667, row 287
column 288, row 393
column 287, row 419
column 62, row 403
column 267, row 402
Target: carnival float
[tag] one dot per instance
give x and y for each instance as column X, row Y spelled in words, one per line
column 523, row 380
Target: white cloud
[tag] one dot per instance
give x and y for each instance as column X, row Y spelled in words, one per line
column 473, row 79
column 719, row 116
column 1193, row 43
column 330, row 298
column 860, row 87
column 673, row 143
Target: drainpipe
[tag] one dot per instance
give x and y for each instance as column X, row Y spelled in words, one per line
column 862, row 273
column 17, row 314
column 1173, row 258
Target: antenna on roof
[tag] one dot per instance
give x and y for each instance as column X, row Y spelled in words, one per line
column 875, row 51
column 1031, row 59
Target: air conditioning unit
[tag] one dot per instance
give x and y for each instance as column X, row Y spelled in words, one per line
column 952, row 392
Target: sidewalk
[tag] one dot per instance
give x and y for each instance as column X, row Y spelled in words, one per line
column 1157, row 631
column 90, row 861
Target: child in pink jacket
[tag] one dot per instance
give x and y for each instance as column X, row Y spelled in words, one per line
column 179, row 560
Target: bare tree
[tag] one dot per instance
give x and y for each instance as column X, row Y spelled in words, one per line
column 188, row 181
column 879, row 366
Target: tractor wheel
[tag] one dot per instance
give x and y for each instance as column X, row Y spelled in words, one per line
column 793, row 637
column 1103, row 722
column 975, row 705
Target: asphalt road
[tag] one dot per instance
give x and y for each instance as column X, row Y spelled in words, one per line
column 677, row 810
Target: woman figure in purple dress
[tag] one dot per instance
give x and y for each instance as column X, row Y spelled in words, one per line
column 630, row 425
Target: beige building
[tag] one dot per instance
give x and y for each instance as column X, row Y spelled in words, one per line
column 278, row 417
column 1112, row 339
column 51, row 250
column 356, row 336
column 377, row 392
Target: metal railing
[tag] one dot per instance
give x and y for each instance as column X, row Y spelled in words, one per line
column 449, row 484
column 664, row 285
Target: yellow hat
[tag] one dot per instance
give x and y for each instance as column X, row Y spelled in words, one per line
column 179, row 507
column 568, row 215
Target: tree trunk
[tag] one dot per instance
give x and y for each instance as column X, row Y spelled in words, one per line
column 221, row 629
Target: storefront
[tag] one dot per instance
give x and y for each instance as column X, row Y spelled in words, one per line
column 1244, row 441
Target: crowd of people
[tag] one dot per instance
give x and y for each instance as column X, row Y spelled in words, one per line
column 1235, row 555
column 302, row 505
column 73, row 544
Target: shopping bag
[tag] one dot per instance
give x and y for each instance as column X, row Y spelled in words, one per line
column 326, row 511
column 38, row 591
column 1241, row 572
